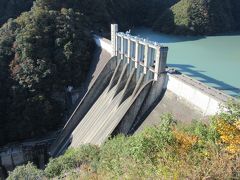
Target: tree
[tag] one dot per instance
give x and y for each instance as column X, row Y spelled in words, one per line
column 7, row 37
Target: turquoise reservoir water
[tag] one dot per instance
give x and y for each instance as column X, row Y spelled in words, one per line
column 214, row 60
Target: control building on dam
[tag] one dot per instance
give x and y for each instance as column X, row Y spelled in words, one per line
column 125, row 90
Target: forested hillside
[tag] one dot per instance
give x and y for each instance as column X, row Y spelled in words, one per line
column 171, row 16
column 41, row 53
column 200, row 17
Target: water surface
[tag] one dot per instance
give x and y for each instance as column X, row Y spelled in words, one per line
column 214, row 60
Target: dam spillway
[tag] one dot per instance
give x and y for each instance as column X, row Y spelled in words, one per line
column 129, row 84
column 103, row 117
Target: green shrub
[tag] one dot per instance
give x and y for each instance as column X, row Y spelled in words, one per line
column 152, row 140
column 72, row 159
column 123, row 155
column 113, row 154
column 231, row 112
column 27, row 172
column 200, row 129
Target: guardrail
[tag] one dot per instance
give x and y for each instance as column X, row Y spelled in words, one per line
column 215, row 93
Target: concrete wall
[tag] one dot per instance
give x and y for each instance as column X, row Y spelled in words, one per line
column 13, row 155
column 207, row 100
column 103, row 43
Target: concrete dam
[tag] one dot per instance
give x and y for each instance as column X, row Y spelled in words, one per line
column 127, row 87
column 131, row 92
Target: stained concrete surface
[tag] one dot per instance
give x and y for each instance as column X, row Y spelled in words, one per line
column 178, row 107
column 170, row 103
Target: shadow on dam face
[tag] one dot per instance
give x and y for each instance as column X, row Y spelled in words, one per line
column 117, row 101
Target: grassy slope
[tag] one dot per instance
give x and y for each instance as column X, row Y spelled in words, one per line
column 166, row 151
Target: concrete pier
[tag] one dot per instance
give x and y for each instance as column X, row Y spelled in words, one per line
column 148, row 57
